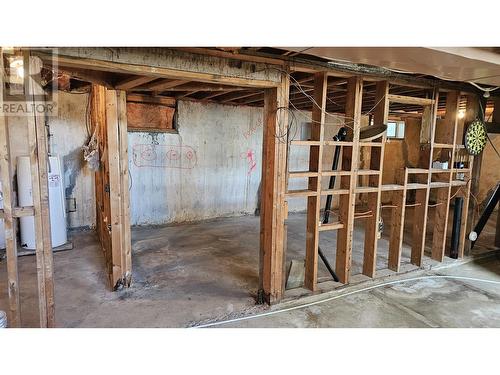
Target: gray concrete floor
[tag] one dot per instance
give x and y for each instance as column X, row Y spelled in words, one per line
column 201, row 272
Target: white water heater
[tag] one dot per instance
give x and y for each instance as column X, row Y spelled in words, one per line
column 56, row 202
column 2, row 227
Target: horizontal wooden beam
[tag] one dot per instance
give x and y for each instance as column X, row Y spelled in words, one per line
column 163, row 100
column 20, row 212
column 133, row 81
column 193, row 86
column 162, row 85
column 231, row 55
column 409, row 100
column 155, row 71
column 87, row 75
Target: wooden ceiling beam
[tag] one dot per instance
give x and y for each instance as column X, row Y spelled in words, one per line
column 194, row 86
column 134, row 81
column 240, row 96
column 161, row 85
column 216, row 94
column 86, row 75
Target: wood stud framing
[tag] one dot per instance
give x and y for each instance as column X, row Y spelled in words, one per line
column 314, row 184
column 273, row 207
column 108, row 116
column 350, row 158
column 109, row 119
column 14, row 316
column 380, row 116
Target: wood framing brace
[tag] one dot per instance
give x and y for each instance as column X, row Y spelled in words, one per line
column 314, row 184
column 14, row 316
column 470, row 214
column 422, row 195
column 447, row 136
column 350, row 158
column 273, row 206
column 40, row 191
column 380, row 116
column 109, row 124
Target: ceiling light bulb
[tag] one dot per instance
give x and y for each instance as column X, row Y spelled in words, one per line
column 20, row 71
column 17, row 64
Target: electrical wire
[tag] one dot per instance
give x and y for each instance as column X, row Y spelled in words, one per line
column 274, row 312
column 313, row 101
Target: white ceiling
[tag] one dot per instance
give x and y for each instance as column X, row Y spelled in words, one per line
column 480, row 65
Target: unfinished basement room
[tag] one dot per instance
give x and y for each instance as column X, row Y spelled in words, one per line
column 183, row 187
column 212, row 187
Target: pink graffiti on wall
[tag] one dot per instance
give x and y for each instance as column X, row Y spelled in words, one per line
column 164, row 156
column 250, row 156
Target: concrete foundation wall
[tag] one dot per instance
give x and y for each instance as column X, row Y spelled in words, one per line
column 211, row 168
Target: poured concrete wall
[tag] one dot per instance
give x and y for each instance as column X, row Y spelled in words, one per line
column 211, row 168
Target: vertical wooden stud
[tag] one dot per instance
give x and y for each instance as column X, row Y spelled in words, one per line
column 422, row 195
column 14, row 317
column 40, row 192
column 350, row 157
column 381, row 116
column 126, row 246
column 397, row 225
column 273, row 208
column 448, row 136
column 315, row 165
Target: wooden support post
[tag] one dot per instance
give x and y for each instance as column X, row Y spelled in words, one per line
column 40, row 192
column 422, row 195
column 350, row 157
column 109, row 121
column 397, row 225
column 447, row 136
column 380, row 116
column 469, row 214
column 315, row 165
column 14, row 317
column 126, row 244
column 273, row 208
column 117, row 143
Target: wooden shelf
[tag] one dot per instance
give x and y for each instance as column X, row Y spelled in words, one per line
column 298, row 174
column 335, row 173
column 458, row 183
column 366, row 189
column 300, row 193
column 417, row 170
column 415, row 186
column 443, row 145
column 437, row 170
column 337, row 143
column 370, row 144
column 367, row 172
column 330, row 226
column 439, row 184
column 305, row 143
column 391, row 187
column 334, row 191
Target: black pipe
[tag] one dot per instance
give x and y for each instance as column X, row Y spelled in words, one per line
column 341, row 135
column 492, row 202
column 457, row 222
